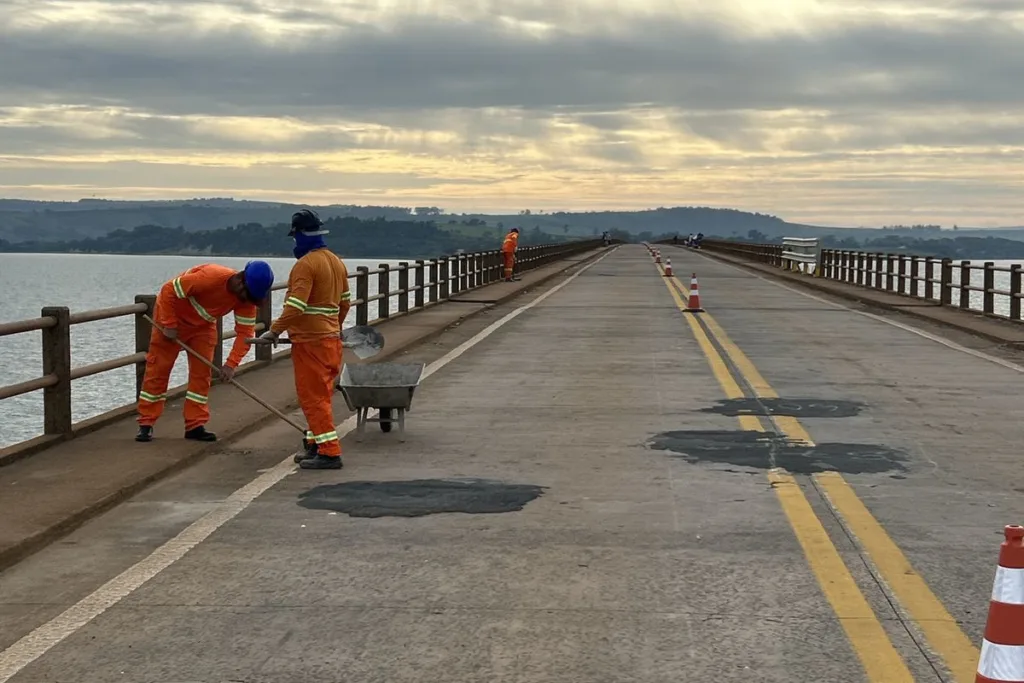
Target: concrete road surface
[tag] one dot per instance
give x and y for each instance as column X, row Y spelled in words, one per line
column 582, row 496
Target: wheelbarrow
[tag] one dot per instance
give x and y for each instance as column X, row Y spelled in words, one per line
column 385, row 386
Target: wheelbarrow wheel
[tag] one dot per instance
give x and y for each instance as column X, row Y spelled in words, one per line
column 385, row 414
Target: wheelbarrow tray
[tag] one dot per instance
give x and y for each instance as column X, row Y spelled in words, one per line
column 380, row 385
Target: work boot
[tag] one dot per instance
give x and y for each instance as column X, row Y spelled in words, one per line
column 200, row 434
column 309, row 451
column 321, row 462
column 145, row 433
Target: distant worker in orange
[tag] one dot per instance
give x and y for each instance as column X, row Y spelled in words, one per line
column 187, row 308
column 315, row 308
column 508, row 252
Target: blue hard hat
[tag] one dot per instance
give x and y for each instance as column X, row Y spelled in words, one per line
column 259, row 278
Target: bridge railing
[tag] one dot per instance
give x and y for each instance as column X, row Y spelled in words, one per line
column 421, row 284
column 762, row 253
column 984, row 288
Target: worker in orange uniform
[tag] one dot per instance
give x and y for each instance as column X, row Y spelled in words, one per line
column 315, row 308
column 187, row 309
column 508, row 252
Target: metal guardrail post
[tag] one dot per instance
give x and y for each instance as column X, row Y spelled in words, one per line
column 989, row 283
column 383, row 287
column 1015, row 291
column 946, row 284
column 432, row 278
column 417, row 300
column 879, row 270
column 265, row 315
column 463, row 272
column 143, row 331
column 890, row 272
column 443, row 278
column 454, row 275
column 362, row 294
column 965, row 281
column 485, row 267
column 915, row 266
column 403, row 286
column 929, row 275
column 57, row 361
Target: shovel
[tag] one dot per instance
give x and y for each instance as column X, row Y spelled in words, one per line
column 364, row 341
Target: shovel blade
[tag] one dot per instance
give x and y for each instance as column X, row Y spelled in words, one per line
column 363, row 340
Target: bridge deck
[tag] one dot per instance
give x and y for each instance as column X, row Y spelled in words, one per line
column 660, row 548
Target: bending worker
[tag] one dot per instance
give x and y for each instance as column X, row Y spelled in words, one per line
column 315, row 309
column 508, row 252
column 187, row 309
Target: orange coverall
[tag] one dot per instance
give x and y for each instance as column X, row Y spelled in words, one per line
column 508, row 252
column 315, row 307
column 191, row 304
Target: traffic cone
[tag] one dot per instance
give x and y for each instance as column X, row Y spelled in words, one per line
column 693, row 305
column 668, row 268
column 1002, row 650
column 657, row 257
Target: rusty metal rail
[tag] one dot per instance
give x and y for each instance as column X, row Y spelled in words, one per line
column 421, row 284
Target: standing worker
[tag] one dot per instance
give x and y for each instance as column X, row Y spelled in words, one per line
column 508, row 252
column 187, row 309
column 315, row 309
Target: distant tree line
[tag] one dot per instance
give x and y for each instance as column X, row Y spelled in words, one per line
column 354, row 237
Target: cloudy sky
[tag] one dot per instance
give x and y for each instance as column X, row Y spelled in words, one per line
column 843, row 112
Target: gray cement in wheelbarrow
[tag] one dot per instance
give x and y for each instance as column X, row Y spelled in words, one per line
column 380, row 385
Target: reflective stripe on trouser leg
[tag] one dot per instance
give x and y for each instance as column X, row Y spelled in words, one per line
column 316, row 366
column 197, row 411
column 509, row 258
column 159, row 361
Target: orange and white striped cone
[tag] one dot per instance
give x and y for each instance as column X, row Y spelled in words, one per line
column 1002, row 650
column 668, row 267
column 693, row 305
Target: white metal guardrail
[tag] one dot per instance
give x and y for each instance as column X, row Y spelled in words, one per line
column 800, row 253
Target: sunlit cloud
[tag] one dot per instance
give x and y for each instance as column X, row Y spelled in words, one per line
column 820, row 111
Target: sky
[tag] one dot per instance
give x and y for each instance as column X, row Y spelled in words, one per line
column 830, row 112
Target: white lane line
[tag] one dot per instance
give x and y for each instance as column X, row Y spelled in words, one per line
column 38, row 642
column 913, row 330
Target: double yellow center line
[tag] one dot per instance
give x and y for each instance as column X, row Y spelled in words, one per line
column 876, row 652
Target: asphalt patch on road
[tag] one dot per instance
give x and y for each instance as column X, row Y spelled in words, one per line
column 791, row 407
column 419, row 497
column 755, row 449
